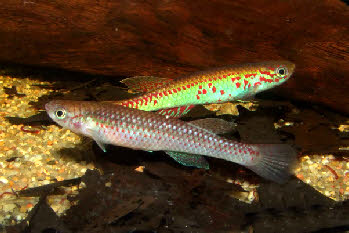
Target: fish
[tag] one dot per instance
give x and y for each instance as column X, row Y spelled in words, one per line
column 186, row 142
column 176, row 97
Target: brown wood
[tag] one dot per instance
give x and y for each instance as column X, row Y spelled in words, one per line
column 170, row 38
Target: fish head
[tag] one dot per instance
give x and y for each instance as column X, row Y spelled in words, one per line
column 67, row 114
column 271, row 74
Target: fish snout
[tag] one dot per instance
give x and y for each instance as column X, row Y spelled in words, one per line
column 48, row 106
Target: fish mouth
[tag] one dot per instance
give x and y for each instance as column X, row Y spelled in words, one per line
column 291, row 67
column 47, row 106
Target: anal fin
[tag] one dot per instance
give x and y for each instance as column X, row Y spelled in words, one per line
column 189, row 159
column 214, row 125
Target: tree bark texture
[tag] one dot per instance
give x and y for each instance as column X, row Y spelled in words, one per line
column 170, row 38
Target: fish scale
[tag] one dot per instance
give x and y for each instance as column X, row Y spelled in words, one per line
column 213, row 86
column 136, row 129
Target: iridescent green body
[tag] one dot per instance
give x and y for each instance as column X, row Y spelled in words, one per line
column 214, row 86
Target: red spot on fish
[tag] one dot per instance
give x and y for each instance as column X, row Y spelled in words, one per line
column 192, row 84
column 239, row 151
column 123, row 130
column 199, row 92
column 165, row 93
column 183, row 87
column 249, row 75
column 265, row 72
column 160, row 94
column 238, row 78
column 198, row 97
column 170, row 92
column 257, row 84
column 214, row 89
column 131, row 137
column 238, row 85
column 97, row 123
column 188, row 85
column 222, row 92
column 276, row 80
column 210, row 85
column 204, row 91
column 246, row 82
column 233, row 79
column 178, row 89
column 249, row 85
column 210, row 79
column 200, row 87
column 214, row 78
column 224, row 76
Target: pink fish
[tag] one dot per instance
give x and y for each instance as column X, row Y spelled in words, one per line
column 186, row 142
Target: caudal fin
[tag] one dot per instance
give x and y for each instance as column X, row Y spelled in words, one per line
column 275, row 163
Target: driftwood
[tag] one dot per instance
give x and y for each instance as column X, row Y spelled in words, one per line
column 170, row 38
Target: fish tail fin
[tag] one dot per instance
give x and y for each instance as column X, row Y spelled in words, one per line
column 274, row 162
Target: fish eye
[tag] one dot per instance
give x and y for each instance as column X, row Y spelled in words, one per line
column 60, row 113
column 281, row 72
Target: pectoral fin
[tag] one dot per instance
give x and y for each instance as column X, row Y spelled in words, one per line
column 95, row 136
column 101, row 145
column 189, row 159
column 249, row 95
column 143, row 84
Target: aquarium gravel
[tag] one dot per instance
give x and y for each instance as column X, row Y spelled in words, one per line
column 30, row 159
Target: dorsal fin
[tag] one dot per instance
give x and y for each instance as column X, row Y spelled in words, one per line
column 143, row 84
column 214, row 125
column 176, row 112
